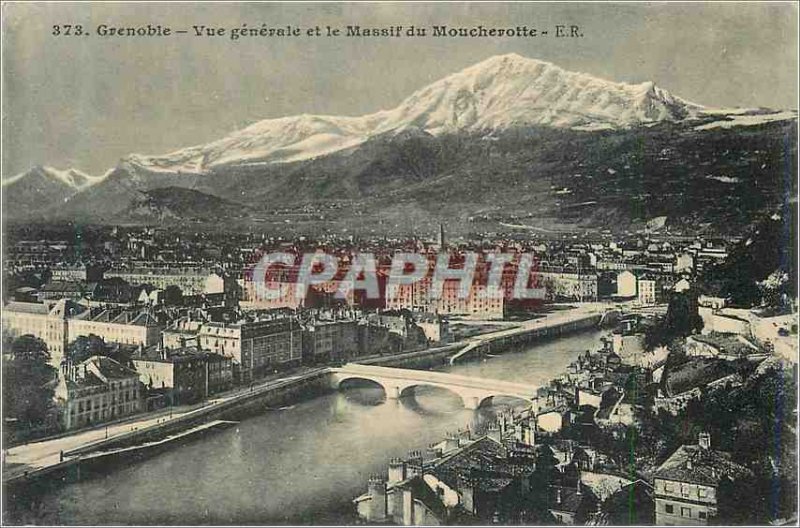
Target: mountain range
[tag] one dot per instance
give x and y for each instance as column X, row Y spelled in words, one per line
column 506, row 139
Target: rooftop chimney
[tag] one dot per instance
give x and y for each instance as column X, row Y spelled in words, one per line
column 397, row 470
column 434, row 452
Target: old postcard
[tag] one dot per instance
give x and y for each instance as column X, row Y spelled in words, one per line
column 414, row 264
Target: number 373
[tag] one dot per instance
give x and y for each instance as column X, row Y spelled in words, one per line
column 67, row 30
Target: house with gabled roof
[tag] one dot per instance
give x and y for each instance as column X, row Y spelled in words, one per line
column 96, row 390
column 686, row 485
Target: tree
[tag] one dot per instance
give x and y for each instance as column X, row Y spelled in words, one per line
column 29, row 348
column 743, row 502
column 545, row 471
column 774, row 290
column 756, row 266
column 85, row 347
column 173, row 296
column 682, row 319
column 27, row 381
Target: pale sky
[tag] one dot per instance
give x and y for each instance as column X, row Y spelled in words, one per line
column 87, row 101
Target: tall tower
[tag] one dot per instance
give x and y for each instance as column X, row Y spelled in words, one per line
column 440, row 239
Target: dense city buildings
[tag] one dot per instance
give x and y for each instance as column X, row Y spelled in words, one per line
column 156, row 341
column 518, row 296
column 190, row 280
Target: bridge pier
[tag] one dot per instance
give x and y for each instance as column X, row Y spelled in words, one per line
column 392, row 392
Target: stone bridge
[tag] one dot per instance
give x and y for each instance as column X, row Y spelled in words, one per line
column 529, row 331
column 395, row 381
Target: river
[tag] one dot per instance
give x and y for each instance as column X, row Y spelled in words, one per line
column 302, row 464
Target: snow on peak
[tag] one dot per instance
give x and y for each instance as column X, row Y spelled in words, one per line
column 282, row 139
column 72, row 178
column 509, row 90
column 500, row 92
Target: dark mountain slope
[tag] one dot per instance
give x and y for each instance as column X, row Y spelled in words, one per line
column 715, row 179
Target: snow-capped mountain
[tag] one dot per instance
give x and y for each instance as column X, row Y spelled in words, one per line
column 511, row 90
column 43, row 187
column 498, row 93
column 70, row 178
column 458, row 148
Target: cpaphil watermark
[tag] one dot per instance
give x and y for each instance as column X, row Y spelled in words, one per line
column 424, row 277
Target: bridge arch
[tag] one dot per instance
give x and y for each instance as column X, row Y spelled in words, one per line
column 409, row 389
column 517, row 397
column 359, row 380
column 474, row 392
column 345, row 380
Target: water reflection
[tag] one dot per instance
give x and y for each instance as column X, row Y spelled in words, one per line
column 364, row 392
column 431, row 401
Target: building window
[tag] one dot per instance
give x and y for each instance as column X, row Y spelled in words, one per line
column 668, row 508
column 702, row 492
column 701, row 514
column 686, row 512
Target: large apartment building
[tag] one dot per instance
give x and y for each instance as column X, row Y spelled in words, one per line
column 184, row 375
column 49, row 321
column 58, row 323
column 324, row 341
column 256, row 347
column 191, row 280
column 418, row 296
column 124, row 326
column 566, row 284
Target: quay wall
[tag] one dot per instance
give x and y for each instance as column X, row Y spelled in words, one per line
column 241, row 405
column 521, row 338
column 525, row 337
column 260, row 399
column 420, row 359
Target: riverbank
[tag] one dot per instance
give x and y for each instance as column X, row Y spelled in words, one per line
column 294, row 463
column 28, row 462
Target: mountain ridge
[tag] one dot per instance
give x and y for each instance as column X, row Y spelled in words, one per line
column 508, row 107
column 500, row 92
